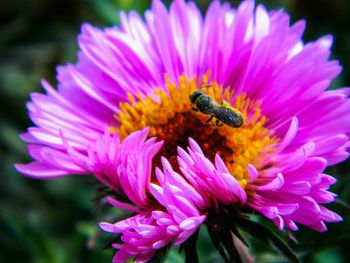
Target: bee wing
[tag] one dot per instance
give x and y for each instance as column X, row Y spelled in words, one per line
column 230, row 117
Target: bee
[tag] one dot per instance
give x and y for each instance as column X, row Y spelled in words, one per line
column 222, row 112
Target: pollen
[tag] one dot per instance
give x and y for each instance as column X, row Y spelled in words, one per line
column 169, row 114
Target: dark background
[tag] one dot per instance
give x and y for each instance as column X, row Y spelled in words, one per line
column 54, row 221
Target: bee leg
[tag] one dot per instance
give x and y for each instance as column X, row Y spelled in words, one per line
column 209, row 120
column 195, row 109
column 218, row 123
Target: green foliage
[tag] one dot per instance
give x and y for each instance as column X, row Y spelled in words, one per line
column 52, row 221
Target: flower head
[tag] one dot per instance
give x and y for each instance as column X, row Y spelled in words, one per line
column 124, row 114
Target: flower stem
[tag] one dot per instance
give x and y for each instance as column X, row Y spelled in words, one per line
column 190, row 247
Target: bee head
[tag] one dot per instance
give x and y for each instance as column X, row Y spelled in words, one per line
column 195, row 95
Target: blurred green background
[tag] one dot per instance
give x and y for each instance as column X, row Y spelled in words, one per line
column 54, row 221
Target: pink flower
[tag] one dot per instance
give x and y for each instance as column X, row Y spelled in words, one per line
column 147, row 232
column 125, row 167
column 123, row 111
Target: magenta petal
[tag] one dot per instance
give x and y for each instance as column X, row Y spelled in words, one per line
column 279, row 222
column 184, row 236
column 275, row 184
column 173, row 230
column 186, row 205
column 270, row 212
column 220, row 165
column 336, row 157
column 290, row 224
column 192, row 222
column 330, row 216
column 108, row 227
column 253, row 172
column 160, row 244
column 286, row 209
column 288, row 138
column 121, row 256
column 300, row 188
column 40, row 170
column 320, row 226
column 157, row 192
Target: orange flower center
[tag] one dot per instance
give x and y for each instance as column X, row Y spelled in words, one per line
column 169, row 114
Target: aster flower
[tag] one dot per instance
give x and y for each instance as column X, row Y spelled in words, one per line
column 123, row 114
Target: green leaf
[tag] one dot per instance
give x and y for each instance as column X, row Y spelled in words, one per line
column 262, row 231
